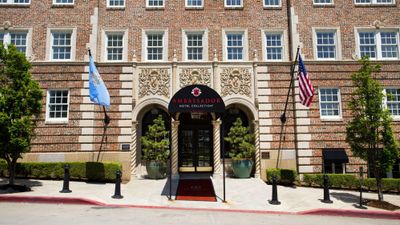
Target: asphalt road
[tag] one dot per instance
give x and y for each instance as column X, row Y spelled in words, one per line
column 51, row 214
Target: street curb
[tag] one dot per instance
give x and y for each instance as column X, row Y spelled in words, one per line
column 318, row 211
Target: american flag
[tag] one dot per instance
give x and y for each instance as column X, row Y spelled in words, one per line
column 306, row 88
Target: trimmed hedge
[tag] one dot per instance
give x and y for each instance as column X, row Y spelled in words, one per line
column 284, row 176
column 90, row 171
column 348, row 181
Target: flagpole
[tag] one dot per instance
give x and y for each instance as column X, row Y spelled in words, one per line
column 283, row 116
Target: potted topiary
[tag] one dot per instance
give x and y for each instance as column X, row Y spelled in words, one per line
column 155, row 147
column 242, row 149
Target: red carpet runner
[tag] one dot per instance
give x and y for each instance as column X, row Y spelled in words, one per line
column 196, row 190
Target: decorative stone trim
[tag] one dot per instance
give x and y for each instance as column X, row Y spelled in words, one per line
column 154, row 82
column 236, row 81
column 195, row 76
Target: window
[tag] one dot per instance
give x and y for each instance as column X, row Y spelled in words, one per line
column 194, row 46
column 272, row 3
column 194, row 3
column 17, row 38
column 61, row 45
column 63, row 2
column 114, row 48
column 323, row 2
column 334, row 160
column 22, row 2
column 234, row 46
column 332, row 167
column 57, row 105
column 329, row 103
column 116, row 3
column 233, row 3
column 273, row 47
column 379, row 44
column 325, row 44
column 155, row 3
column 393, row 101
column 155, row 47
column 372, row 2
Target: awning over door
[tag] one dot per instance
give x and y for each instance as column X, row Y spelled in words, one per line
column 335, row 156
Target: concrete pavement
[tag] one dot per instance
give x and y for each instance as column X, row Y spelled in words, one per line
column 246, row 195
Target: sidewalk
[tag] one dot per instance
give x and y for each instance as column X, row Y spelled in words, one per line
column 242, row 195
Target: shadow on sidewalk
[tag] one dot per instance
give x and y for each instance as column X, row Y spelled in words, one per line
column 346, row 197
column 21, row 185
column 173, row 186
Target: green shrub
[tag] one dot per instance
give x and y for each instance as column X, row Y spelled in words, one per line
column 91, row 171
column 284, row 176
column 391, row 184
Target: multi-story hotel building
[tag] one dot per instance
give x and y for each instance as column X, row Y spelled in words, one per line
column 147, row 50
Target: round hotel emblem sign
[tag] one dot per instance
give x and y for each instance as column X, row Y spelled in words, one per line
column 196, row 92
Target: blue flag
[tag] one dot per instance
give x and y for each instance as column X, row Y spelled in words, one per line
column 97, row 89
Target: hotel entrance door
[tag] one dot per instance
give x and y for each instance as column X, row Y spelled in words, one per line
column 195, row 149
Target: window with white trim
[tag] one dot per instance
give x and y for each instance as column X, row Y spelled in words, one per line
column 272, row 3
column 61, row 45
column 194, row 3
column 116, row 3
column 323, row 2
column 17, row 38
column 329, row 103
column 155, row 46
column 326, row 43
column 57, row 105
column 63, row 2
column 114, row 46
column 374, row 2
column 194, row 46
column 393, row 101
column 155, row 3
column 234, row 46
column 233, row 3
column 383, row 44
column 273, row 46
column 22, row 2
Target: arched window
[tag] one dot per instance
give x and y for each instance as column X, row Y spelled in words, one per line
column 153, row 114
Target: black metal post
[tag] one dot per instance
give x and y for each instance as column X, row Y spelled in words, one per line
column 117, row 193
column 326, row 190
column 223, row 159
column 66, row 180
column 274, row 200
column 170, row 170
column 361, row 184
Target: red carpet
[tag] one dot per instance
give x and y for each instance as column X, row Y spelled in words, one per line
column 196, row 190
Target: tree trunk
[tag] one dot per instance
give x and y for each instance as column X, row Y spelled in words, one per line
column 11, row 171
column 379, row 187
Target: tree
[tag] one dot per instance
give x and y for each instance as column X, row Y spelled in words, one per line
column 20, row 105
column 369, row 133
column 155, row 143
column 240, row 141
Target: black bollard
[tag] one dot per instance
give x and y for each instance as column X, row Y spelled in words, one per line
column 326, row 190
column 66, row 180
column 274, row 200
column 117, row 193
column 361, row 184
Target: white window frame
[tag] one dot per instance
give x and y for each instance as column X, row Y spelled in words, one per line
column 374, row 2
column 233, row 6
column 105, row 33
column 49, row 49
column 338, row 51
column 332, row 165
column 164, row 40
column 115, row 6
column 61, row 3
column 272, row 6
column 264, row 44
column 11, row 2
column 155, row 7
column 225, row 33
column 335, row 117
column 204, row 40
column 378, row 42
column 56, row 120
column 394, row 117
column 194, row 6
column 324, row 3
column 28, row 31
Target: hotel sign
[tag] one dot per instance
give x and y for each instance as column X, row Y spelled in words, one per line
column 196, row 98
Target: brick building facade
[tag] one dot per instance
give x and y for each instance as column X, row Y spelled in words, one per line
column 146, row 50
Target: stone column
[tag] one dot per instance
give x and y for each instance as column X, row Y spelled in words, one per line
column 258, row 152
column 174, row 146
column 134, row 155
column 217, row 146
